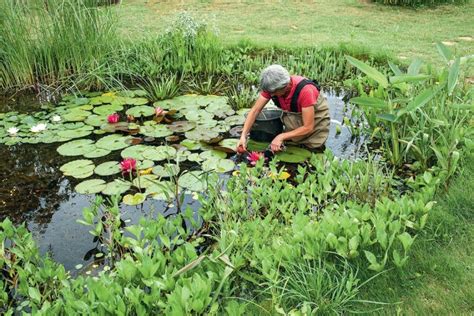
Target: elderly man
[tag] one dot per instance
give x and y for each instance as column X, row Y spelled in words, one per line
column 305, row 110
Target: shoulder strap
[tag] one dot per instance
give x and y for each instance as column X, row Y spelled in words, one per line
column 276, row 102
column 296, row 94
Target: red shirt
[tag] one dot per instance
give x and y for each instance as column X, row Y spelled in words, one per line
column 308, row 95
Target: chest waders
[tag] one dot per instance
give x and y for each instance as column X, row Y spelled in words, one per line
column 294, row 119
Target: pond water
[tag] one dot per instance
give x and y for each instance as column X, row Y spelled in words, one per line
column 33, row 189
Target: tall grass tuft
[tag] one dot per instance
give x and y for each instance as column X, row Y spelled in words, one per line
column 55, row 41
column 419, row 3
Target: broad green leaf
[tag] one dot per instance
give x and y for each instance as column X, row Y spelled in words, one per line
column 414, row 67
column 453, row 76
column 107, row 168
column 293, row 154
column 408, row 78
column 118, row 186
column 419, row 101
column 370, row 102
column 193, row 181
column 135, row 199
column 406, row 240
column 369, row 71
column 395, row 69
column 76, row 147
column 387, row 117
column 90, row 186
column 444, row 51
column 79, row 169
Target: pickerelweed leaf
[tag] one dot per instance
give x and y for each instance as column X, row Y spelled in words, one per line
column 90, row 186
column 107, row 168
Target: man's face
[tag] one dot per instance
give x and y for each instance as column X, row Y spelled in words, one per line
column 281, row 92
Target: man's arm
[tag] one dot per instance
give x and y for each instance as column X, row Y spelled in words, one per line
column 251, row 116
column 307, row 114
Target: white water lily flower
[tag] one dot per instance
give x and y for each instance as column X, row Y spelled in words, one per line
column 56, row 118
column 38, row 128
column 13, row 131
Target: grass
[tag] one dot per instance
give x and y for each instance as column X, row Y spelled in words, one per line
column 439, row 277
column 403, row 32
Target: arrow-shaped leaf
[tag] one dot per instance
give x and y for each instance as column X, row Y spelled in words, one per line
column 453, row 75
column 369, row 71
column 370, row 102
column 408, row 78
column 418, row 102
column 444, row 51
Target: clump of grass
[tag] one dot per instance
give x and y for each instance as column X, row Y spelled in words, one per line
column 419, row 3
column 241, row 96
column 165, row 87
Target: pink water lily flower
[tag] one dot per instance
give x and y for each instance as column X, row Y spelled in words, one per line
column 158, row 111
column 128, row 165
column 113, row 118
column 255, row 156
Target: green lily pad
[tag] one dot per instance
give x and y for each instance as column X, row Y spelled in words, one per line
column 136, row 101
column 76, row 133
column 160, row 153
column 90, row 186
column 230, row 143
column 76, row 147
column 145, row 164
column 193, row 181
column 96, row 120
column 97, row 152
column 218, row 165
column 256, row 146
column 235, row 120
column 293, row 154
column 108, row 109
column 166, row 171
column 118, row 186
column 76, row 115
column 156, row 131
column 135, row 152
column 201, row 134
column 107, row 168
column 210, row 154
column 199, row 116
column 181, row 126
column 135, row 199
column 195, row 157
column 191, row 144
column 79, row 169
column 113, row 142
column 163, row 190
column 145, row 181
column 142, row 110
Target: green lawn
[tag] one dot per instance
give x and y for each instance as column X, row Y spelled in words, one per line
column 405, row 33
column 439, row 278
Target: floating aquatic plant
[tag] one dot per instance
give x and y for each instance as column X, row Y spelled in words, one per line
column 13, row 131
column 56, row 118
column 128, row 165
column 38, row 128
column 113, row 118
column 254, row 157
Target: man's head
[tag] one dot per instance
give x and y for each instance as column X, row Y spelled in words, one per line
column 274, row 79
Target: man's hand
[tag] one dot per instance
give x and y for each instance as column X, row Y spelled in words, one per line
column 242, row 145
column 277, row 143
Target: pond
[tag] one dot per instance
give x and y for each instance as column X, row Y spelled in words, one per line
column 35, row 190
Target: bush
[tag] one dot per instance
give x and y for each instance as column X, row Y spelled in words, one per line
column 419, row 3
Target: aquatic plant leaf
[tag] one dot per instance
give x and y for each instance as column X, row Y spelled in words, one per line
column 76, row 147
column 193, row 181
column 145, row 181
column 369, row 71
column 113, row 142
column 135, row 199
column 79, row 169
column 137, row 101
column 194, row 157
column 90, row 186
column 159, row 153
column 293, row 154
column 118, row 186
column 97, row 152
column 166, row 171
column 235, row 120
column 199, row 116
column 201, row 134
column 96, row 120
column 135, row 152
column 76, row 115
column 162, row 190
column 218, row 165
column 370, row 102
column 142, row 110
column 107, row 168
column 145, row 164
column 108, row 109
column 181, row 126
column 230, row 143
column 76, row 133
column 256, row 146
column 156, row 131
column 209, row 154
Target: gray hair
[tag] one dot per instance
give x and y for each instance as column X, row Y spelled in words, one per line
column 273, row 78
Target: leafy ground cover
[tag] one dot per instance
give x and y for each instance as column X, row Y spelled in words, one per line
column 401, row 32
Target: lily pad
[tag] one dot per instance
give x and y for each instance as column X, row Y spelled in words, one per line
column 210, row 154
column 76, row 133
column 76, row 115
column 97, row 152
column 135, row 199
column 230, row 143
column 118, row 186
column 201, row 134
column 145, row 164
column 160, row 153
column 256, row 146
column 113, row 142
column 156, row 131
column 162, row 190
column 142, row 110
column 235, row 120
column 96, row 120
column 166, row 171
column 145, row 181
column 135, row 152
column 193, row 181
column 107, row 168
column 79, row 169
column 194, row 157
column 191, row 144
column 90, row 186
column 76, row 147
column 293, row 154
column 181, row 126
column 136, row 101
column 199, row 116
column 108, row 109
column 218, row 165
